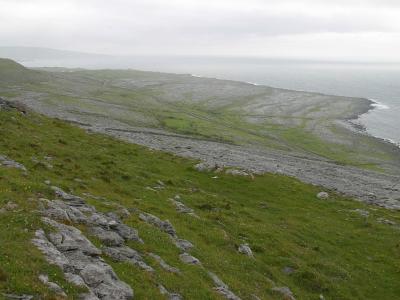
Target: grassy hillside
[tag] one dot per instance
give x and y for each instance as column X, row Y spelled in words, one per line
column 14, row 73
column 327, row 246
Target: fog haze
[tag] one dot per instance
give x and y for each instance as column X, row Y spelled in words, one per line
column 304, row 29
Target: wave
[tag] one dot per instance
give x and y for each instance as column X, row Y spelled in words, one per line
column 252, row 83
column 379, row 105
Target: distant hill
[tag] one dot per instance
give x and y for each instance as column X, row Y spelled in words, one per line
column 23, row 54
column 13, row 72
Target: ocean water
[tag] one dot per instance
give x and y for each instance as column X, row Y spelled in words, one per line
column 378, row 82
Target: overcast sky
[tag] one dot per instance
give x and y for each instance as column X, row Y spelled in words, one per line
column 311, row 29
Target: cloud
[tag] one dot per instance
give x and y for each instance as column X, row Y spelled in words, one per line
column 201, row 26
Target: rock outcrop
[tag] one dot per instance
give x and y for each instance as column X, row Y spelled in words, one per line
column 9, row 163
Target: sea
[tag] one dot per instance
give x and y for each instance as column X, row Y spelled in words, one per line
column 379, row 82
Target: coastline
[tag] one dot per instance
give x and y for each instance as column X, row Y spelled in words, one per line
column 363, row 128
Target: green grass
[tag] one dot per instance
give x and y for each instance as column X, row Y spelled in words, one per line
column 334, row 251
column 12, row 72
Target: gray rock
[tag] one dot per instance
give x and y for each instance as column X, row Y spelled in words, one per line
column 285, row 292
column 182, row 244
column 126, row 254
column 222, row 288
column 51, row 253
column 245, row 249
column 69, row 249
column 75, row 279
column 107, row 237
column 163, row 264
column 71, row 199
column 112, row 221
column 323, row 195
column 182, row 208
column 99, row 219
column 48, row 182
column 217, row 281
column 188, row 259
column 165, row 226
column 9, row 163
column 104, row 282
column 127, row 233
column 61, row 211
column 69, row 238
column 88, row 296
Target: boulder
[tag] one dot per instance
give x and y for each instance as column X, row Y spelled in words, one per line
column 9, row 163
column 182, row 244
column 222, row 288
column 59, row 210
column 127, row 233
column 182, row 208
column 105, row 283
column 165, row 226
column 80, row 260
column 188, row 259
column 163, row 264
column 51, row 253
column 71, row 199
column 246, row 250
column 107, row 237
column 323, row 195
column 126, row 254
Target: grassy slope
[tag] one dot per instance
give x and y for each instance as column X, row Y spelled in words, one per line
column 334, row 251
column 12, row 72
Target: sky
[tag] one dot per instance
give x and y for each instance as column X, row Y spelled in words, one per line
column 345, row 30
